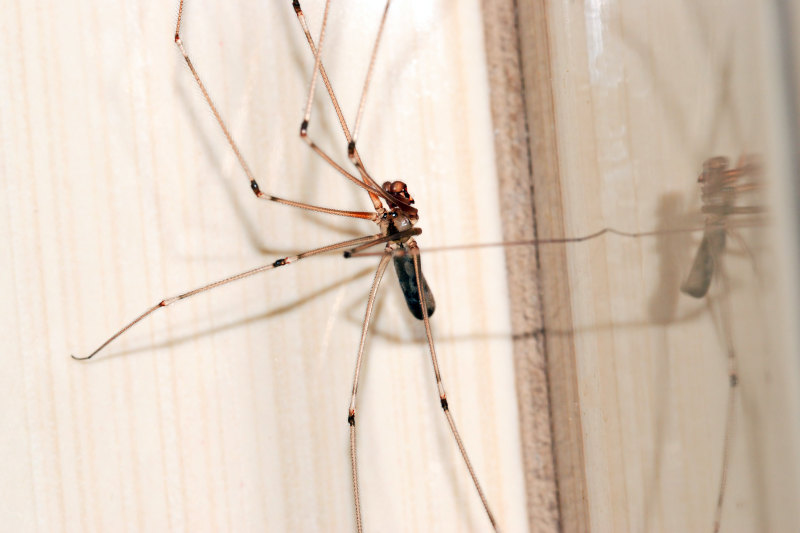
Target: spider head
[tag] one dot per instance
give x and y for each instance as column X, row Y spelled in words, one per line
column 399, row 191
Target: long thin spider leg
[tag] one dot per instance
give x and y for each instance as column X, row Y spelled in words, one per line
column 733, row 210
column 370, row 69
column 440, row 386
column 537, row 242
column 319, row 68
column 721, row 187
column 737, row 236
column 733, row 382
column 352, row 151
column 278, row 263
column 253, row 183
column 727, row 438
column 369, row 183
column 351, row 413
column 393, row 237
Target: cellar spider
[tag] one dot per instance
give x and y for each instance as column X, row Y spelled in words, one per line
column 392, row 203
column 376, row 191
column 722, row 188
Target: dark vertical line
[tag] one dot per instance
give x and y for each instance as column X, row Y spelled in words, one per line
column 515, row 170
column 788, row 64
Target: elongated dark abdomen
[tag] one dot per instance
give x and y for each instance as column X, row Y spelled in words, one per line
column 705, row 262
column 404, row 265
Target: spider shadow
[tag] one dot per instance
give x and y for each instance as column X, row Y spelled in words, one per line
column 232, row 188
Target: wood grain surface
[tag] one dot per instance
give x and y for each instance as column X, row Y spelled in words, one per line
column 228, row 412
column 625, row 101
column 590, row 392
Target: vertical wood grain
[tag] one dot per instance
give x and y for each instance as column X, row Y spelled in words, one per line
column 625, row 101
column 512, row 130
column 228, row 412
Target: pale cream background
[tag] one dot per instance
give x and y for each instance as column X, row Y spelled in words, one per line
column 228, row 412
column 643, row 93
